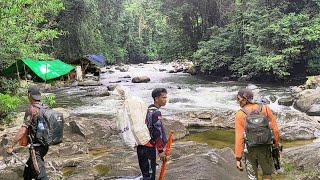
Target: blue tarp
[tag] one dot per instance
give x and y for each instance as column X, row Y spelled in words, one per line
column 96, row 59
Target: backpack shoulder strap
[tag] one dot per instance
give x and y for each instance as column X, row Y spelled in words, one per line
column 260, row 107
column 247, row 112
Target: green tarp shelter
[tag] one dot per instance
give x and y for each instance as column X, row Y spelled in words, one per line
column 44, row 69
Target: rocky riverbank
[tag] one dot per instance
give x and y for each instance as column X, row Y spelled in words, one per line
column 92, row 148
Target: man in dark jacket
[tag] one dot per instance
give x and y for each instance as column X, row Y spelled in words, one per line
column 36, row 167
column 147, row 153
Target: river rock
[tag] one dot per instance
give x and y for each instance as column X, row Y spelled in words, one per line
column 123, row 68
column 314, row 110
column 179, row 100
column 273, row 98
column 112, row 87
column 306, row 99
column 99, row 93
column 206, row 119
column 180, row 131
column 127, row 76
column 162, row 69
column 89, row 83
column 192, row 70
column 141, row 79
column 286, row 101
column 172, row 71
column 198, row 161
column 295, row 125
column 305, row 157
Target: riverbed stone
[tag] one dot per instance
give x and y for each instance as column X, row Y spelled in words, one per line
column 141, row 79
column 286, row 101
column 306, row 99
column 306, row 157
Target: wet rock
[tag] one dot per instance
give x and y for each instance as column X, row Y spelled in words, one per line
column 273, row 98
column 206, row 119
column 12, row 173
column 286, row 101
column 192, row 70
column 306, row 99
column 162, row 69
column 198, row 161
column 295, row 125
column 297, row 89
column 204, row 115
column 226, row 78
column 179, row 100
column 244, row 78
column 305, row 157
column 127, row 76
column 180, row 131
column 112, row 87
column 140, row 79
column 100, row 93
column 314, row 110
column 89, row 83
column 172, row 71
column 124, row 69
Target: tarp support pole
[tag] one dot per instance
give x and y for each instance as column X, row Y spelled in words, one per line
column 18, row 72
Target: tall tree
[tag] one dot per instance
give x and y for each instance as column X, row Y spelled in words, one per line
column 26, row 28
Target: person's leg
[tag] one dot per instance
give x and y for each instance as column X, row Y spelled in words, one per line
column 265, row 161
column 28, row 172
column 153, row 156
column 40, row 153
column 145, row 162
column 251, row 164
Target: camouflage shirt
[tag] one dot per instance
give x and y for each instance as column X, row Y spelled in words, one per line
column 31, row 114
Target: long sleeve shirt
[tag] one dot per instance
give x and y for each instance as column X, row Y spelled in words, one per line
column 240, row 125
column 158, row 136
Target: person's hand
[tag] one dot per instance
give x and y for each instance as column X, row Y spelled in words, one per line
column 239, row 166
column 162, row 156
column 9, row 150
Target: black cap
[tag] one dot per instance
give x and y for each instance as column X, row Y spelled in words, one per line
column 246, row 93
column 34, row 91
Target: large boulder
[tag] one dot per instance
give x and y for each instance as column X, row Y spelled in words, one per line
column 286, row 101
column 305, row 157
column 206, row 119
column 198, row 161
column 180, row 131
column 141, row 79
column 306, row 99
column 294, row 125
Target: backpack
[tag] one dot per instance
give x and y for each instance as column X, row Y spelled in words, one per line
column 49, row 127
column 131, row 122
column 157, row 125
column 257, row 129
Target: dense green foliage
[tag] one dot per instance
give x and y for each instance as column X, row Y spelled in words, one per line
column 272, row 40
column 269, row 39
column 27, row 28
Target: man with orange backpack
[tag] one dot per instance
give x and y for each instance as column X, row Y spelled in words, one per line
column 256, row 133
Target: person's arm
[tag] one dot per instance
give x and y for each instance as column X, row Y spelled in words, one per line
column 157, row 131
column 239, row 128
column 274, row 126
column 22, row 131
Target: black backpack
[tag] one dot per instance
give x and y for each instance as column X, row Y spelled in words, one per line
column 257, row 128
column 49, row 127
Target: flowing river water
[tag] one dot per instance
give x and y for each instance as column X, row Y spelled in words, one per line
column 185, row 93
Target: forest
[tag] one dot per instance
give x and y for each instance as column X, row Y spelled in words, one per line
column 258, row 39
